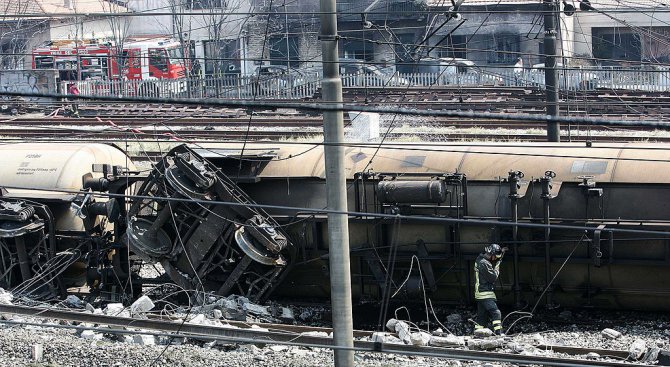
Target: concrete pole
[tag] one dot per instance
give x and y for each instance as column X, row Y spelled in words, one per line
column 550, row 72
column 336, row 190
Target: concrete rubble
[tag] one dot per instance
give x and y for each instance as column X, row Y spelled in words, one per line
column 483, row 333
column 381, row 337
column 447, row 341
column 401, row 328
column 643, row 345
column 240, row 308
column 485, row 344
column 5, row 297
column 141, row 306
column 116, row 309
column 637, row 349
column 91, row 335
column 610, row 333
column 143, row 339
column 420, row 338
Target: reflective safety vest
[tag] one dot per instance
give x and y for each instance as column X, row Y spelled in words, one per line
column 486, row 276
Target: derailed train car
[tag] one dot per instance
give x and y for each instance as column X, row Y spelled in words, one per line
column 55, row 231
column 418, row 213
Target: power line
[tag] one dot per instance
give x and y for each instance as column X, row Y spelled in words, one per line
column 462, row 10
column 476, row 221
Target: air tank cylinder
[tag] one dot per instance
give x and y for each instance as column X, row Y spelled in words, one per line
column 411, row 192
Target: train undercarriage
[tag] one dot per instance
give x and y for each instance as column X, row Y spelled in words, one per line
column 582, row 229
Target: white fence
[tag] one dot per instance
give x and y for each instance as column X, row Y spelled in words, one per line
column 305, row 86
column 230, row 87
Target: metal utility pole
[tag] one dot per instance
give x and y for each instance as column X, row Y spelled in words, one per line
column 336, row 190
column 550, row 73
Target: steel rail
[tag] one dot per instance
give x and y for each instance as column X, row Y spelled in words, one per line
column 272, row 337
column 79, row 132
column 353, row 107
column 264, row 121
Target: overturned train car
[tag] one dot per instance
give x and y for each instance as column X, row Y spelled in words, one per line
column 593, row 219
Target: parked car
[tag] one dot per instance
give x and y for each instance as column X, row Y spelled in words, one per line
column 568, row 77
column 356, row 73
column 277, row 79
column 452, row 70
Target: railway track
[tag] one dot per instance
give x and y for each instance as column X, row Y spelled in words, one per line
column 299, row 335
column 283, row 120
column 500, row 99
column 311, row 129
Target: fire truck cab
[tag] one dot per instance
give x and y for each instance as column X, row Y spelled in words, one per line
column 139, row 60
column 151, row 59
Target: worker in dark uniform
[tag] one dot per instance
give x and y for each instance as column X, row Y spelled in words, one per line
column 73, row 90
column 487, row 269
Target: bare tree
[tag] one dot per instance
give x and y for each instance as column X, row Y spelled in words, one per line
column 15, row 32
column 223, row 29
column 119, row 31
column 652, row 49
column 181, row 27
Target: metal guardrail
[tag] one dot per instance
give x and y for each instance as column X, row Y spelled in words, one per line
column 305, row 86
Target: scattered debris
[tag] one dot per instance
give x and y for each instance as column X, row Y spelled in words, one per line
column 199, row 319
column 610, row 333
column 420, row 338
column 382, row 337
column 5, row 297
column 652, row 355
column 141, row 306
column 483, row 333
column 447, row 341
column 91, row 335
column 73, row 302
column 637, row 349
column 401, row 328
column 37, row 352
column 486, row 344
column 144, row 339
column 116, row 309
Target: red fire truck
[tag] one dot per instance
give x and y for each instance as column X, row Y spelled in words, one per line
column 155, row 62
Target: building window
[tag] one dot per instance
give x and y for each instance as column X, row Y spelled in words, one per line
column 503, row 48
column 404, row 49
column 284, row 51
column 611, row 43
column 222, row 57
column 206, row 4
column 361, row 50
column 453, row 46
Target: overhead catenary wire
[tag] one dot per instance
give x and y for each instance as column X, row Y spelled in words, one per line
column 411, row 218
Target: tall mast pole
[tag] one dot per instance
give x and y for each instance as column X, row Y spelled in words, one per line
column 550, row 72
column 336, row 190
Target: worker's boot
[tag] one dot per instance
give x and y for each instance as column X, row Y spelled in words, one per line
column 497, row 327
